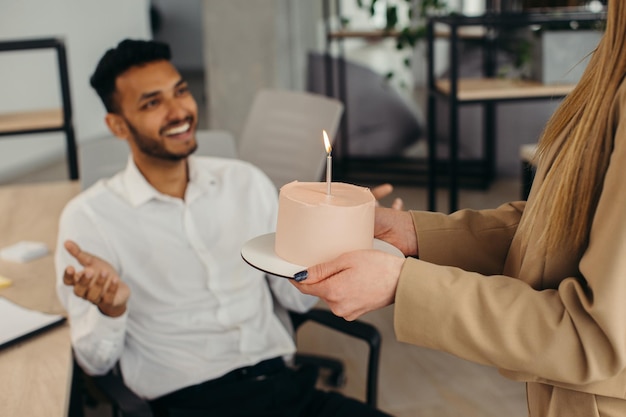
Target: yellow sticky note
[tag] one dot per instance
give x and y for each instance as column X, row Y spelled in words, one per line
column 5, row 282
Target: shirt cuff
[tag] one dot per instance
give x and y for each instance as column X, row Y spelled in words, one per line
column 105, row 324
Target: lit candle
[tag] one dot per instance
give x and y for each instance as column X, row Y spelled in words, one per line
column 329, row 161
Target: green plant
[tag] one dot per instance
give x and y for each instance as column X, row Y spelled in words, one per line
column 409, row 34
column 417, row 12
column 513, row 42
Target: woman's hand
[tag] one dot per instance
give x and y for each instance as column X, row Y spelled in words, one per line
column 354, row 283
column 396, row 227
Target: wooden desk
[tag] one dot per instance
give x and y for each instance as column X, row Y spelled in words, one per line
column 35, row 373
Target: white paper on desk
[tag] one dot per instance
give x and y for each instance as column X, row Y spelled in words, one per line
column 17, row 321
column 24, row 251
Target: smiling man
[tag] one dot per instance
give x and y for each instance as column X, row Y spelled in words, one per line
column 149, row 268
column 150, row 106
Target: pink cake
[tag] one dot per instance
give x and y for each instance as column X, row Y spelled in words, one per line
column 315, row 227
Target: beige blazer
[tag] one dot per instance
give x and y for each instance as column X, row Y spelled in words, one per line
column 557, row 323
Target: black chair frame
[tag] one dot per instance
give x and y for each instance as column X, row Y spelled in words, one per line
column 125, row 403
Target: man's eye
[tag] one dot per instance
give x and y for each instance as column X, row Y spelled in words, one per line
column 150, row 104
column 182, row 91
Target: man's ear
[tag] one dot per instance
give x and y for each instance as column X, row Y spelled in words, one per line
column 117, row 125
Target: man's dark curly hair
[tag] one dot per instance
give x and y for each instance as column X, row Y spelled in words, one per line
column 115, row 61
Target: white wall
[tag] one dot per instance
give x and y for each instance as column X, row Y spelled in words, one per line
column 249, row 45
column 29, row 80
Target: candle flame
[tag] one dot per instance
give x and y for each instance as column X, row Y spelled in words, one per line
column 327, row 142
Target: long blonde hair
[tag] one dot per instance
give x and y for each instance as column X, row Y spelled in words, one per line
column 580, row 131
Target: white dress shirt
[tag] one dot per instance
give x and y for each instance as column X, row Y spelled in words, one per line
column 196, row 309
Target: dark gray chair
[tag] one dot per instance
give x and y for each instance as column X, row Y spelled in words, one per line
column 125, row 403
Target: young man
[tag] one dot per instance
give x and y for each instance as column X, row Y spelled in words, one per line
column 149, row 269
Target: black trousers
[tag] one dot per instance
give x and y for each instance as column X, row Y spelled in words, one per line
column 268, row 389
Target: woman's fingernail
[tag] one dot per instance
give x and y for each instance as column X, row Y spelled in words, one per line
column 301, row 276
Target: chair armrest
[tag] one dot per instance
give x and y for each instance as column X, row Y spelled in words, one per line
column 358, row 329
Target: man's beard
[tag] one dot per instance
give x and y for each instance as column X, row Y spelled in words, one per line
column 156, row 149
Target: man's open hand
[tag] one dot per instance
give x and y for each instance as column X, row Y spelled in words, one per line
column 97, row 283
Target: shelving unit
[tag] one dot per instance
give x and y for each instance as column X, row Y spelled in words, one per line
column 487, row 91
column 47, row 120
column 360, row 169
column 396, row 169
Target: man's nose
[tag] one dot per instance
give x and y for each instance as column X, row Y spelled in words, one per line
column 176, row 109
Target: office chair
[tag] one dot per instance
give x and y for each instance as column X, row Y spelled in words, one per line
column 106, row 156
column 282, row 134
column 125, row 403
column 357, row 329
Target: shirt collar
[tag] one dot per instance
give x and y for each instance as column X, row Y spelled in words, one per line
column 140, row 191
column 201, row 181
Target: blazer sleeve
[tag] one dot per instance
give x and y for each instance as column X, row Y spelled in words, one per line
column 473, row 240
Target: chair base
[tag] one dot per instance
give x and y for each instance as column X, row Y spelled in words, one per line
column 331, row 370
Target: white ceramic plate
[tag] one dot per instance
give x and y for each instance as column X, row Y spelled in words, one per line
column 259, row 253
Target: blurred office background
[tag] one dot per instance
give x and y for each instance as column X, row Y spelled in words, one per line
column 228, row 50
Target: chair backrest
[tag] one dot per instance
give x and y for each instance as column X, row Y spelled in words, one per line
column 282, row 134
column 103, row 157
column 100, row 158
